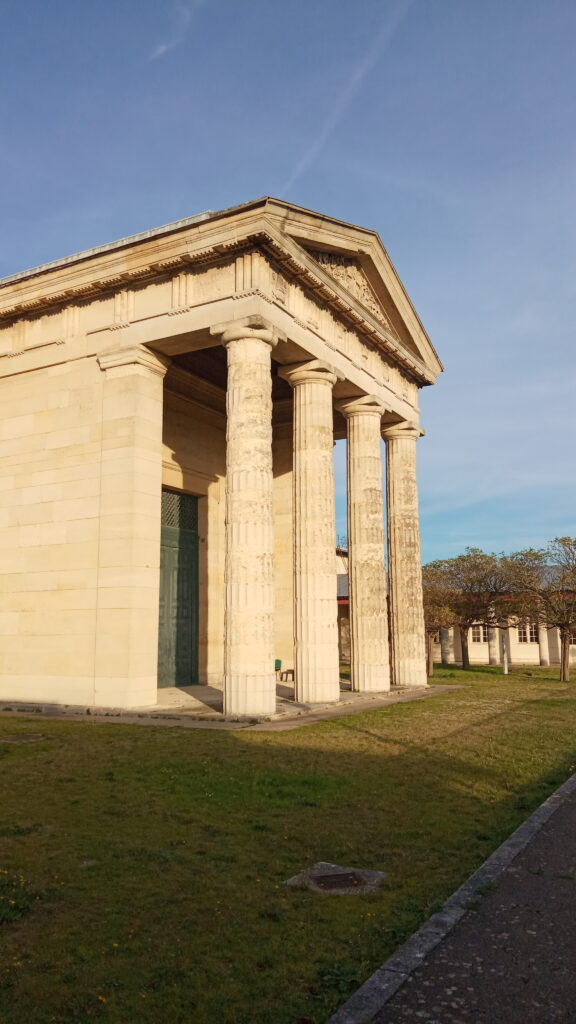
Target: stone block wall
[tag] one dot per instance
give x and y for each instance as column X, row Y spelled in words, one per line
column 50, row 432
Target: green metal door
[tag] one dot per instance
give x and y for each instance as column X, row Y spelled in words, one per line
column 178, row 634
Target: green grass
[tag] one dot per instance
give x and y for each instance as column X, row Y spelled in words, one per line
column 147, row 863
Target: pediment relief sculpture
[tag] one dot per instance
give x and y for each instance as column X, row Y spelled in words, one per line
column 348, row 273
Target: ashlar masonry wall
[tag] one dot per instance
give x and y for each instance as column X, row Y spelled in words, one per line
column 50, row 480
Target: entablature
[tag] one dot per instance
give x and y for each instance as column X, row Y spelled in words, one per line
column 237, row 254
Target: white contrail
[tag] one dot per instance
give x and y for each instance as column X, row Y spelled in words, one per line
column 349, row 90
column 180, row 30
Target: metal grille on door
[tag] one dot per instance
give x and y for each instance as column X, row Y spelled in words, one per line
column 179, row 510
column 179, row 599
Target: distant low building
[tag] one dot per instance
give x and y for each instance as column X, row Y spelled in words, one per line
column 526, row 644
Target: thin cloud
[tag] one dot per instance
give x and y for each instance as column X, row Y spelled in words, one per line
column 182, row 21
column 349, row 91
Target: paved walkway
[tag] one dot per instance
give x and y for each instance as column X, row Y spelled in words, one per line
column 200, row 707
column 511, row 957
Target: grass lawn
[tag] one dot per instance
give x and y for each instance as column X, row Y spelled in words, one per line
column 142, row 867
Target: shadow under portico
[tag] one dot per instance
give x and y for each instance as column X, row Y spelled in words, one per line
column 206, row 702
column 195, row 464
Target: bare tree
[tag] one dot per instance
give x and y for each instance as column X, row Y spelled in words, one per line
column 542, row 584
column 473, row 584
column 437, row 606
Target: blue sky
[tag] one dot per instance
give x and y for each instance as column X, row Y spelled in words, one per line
column 446, row 125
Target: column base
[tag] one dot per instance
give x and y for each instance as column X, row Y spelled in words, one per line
column 250, row 695
column 314, row 690
column 409, row 676
column 370, row 679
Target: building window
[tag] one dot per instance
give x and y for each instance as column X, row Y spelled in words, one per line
column 479, row 634
column 436, row 637
column 527, row 633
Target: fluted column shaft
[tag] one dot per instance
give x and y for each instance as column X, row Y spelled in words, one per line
column 370, row 657
column 317, row 669
column 249, row 677
column 404, row 564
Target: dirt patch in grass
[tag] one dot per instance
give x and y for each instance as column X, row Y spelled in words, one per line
column 164, row 851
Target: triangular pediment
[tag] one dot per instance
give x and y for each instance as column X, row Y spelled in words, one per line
column 361, row 279
column 341, row 267
column 348, row 273
column 356, row 260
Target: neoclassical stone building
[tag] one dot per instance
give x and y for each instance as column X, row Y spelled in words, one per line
column 168, row 409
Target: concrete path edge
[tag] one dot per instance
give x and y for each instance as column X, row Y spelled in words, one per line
column 372, row 996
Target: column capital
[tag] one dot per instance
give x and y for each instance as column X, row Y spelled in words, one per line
column 248, row 327
column 314, row 371
column 405, row 429
column 362, row 406
column 137, row 355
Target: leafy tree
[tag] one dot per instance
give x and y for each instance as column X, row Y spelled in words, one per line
column 542, row 584
column 473, row 584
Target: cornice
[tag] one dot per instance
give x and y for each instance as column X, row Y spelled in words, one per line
column 305, row 269
column 283, row 250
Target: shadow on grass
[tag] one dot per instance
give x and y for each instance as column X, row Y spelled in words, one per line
column 168, row 849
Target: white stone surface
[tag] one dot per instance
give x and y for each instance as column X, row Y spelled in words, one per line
column 493, row 646
column 317, row 668
column 283, row 545
column 543, row 645
column 249, row 677
column 407, row 637
column 370, row 657
column 126, row 635
column 447, row 646
column 86, row 450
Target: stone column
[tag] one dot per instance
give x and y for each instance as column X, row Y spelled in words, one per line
column 370, row 657
column 128, row 581
column 493, row 646
column 404, row 563
column 506, row 646
column 557, row 644
column 283, row 550
column 543, row 645
column 249, row 677
column 317, row 676
column 447, row 645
